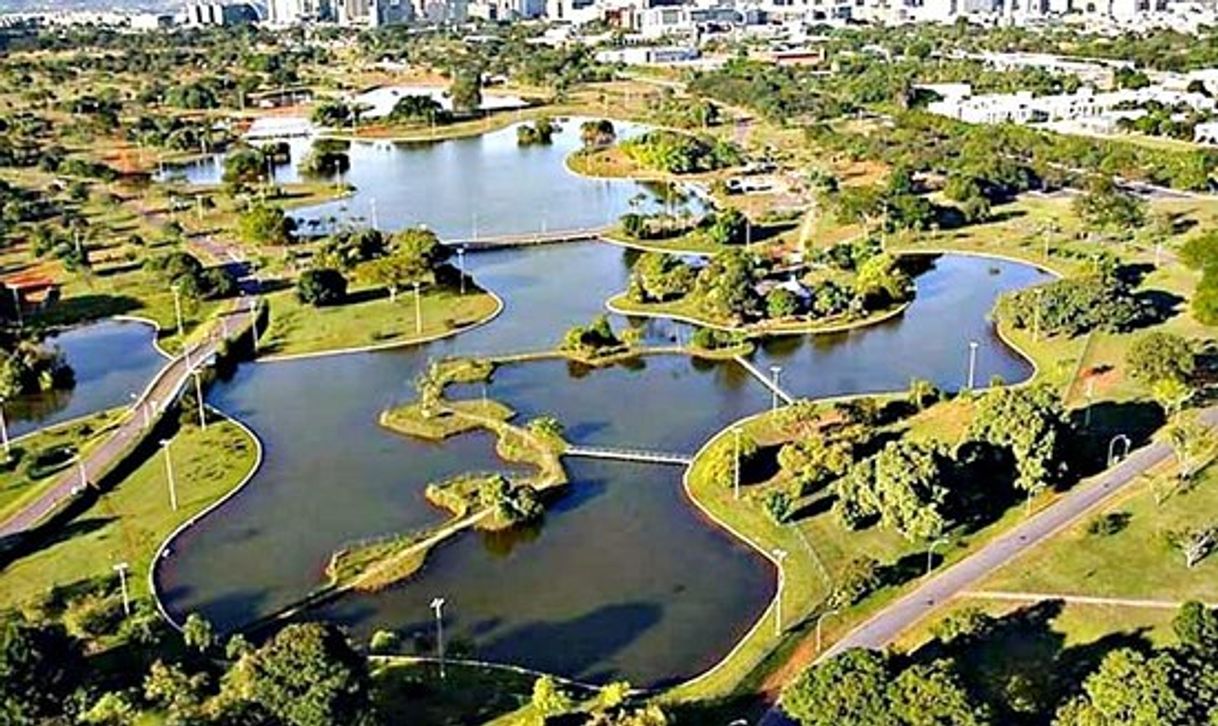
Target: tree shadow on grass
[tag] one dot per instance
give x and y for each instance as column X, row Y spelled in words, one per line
column 1093, row 429
column 1021, row 666
column 82, row 308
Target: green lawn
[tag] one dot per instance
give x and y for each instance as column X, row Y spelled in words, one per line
column 413, row 693
column 134, row 518
column 17, row 486
column 297, row 328
column 1136, row 562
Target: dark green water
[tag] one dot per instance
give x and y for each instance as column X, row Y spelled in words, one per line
column 623, row 579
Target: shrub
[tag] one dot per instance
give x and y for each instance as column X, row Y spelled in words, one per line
column 322, row 286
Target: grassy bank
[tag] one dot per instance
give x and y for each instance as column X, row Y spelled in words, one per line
column 24, row 477
column 370, row 318
column 130, row 521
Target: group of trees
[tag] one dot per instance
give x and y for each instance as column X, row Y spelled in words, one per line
column 593, row 340
column 193, row 280
column 327, row 158
column 1129, row 685
column 896, row 203
column 1100, row 300
column 539, row 132
column 1201, row 253
column 27, row 367
column 679, row 153
column 412, row 256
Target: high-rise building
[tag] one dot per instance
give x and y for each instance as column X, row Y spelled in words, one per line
column 290, row 12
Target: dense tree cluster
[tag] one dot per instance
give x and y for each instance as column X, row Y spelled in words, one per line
column 1201, row 253
column 192, row 279
column 1074, row 305
column 680, row 153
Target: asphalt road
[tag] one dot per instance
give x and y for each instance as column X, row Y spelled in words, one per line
column 890, row 622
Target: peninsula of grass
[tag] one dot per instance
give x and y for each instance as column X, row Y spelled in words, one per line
column 130, row 521
column 370, row 319
column 476, row 500
column 414, row 692
column 37, row 459
column 457, row 417
column 687, row 310
column 690, row 243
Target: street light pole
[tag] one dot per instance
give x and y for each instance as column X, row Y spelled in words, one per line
column 173, row 488
column 461, row 265
column 199, row 399
column 418, row 310
column 121, row 569
column 820, row 622
column 1090, row 393
column 8, row 453
column 437, row 604
column 177, row 309
column 972, row 363
column 774, row 372
column 736, row 475
column 779, row 556
column 930, row 553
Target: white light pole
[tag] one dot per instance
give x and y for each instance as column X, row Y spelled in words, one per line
column 418, row 310
column 1112, row 455
column 930, row 553
column 775, row 371
column 1036, row 314
column 8, row 453
column 972, row 363
column 779, row 556
column 461, row 265
column 820, row 622
column 121, row 569
column 253, row 313
column 736, row 476
column 173, row 487
column 437, row 605
column 1090, row 394
column 199, row 398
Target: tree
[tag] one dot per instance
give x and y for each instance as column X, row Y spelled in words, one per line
column 724, row 287
column 266, row 224
column 1105, row 207
column 40, row 666
column 197, row 633
column 327, row 158
column 307, row 675
column 548, row 699
column 932, row 694
column 1188, row 437
column 1171, row 394
column 1196, row 627
column 1159, row 355
column 848, row 690
column 466, row 92
column 660, row 277
column 881, row 281
column 413, row 258
column 1131, row 689
column 781, row 303
column 922, row 392
column 322, row 286
column 178, row 692
column 1027, row 421
column 244, row 167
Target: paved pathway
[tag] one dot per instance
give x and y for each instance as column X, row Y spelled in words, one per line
column 882, row 628
column 156, row 398
column 1123, row 602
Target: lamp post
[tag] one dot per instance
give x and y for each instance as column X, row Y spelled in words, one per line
column 972, row 363
column 1112, row 455
column 820, row 622
column 121, row 569
column 437, row 605
column 83, row 473
column 418, row 310
column 779, row 556
column 775, row 371
column 736, row 475
column 1090, row 394
column 930, row 553
column 8, row 453
column 461, row 266
column 173, row 488
column 199, row 398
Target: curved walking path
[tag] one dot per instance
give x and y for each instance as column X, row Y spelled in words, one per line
column 101, row 460
column 884, row 627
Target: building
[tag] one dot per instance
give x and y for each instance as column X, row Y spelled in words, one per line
column 372, row 13
column 291, row 12
column 218, row 13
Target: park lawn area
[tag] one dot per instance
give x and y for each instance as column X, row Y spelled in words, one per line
column 370, row 320
column 131, row 520
column 1135, row 562
column 408, row 419
column 1075, row 624
column 17, row 487
column 410, row 692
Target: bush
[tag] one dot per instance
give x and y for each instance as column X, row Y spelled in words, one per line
column 1159, row 356
column 384, row 641
column 1108, row 524
column 322, row 286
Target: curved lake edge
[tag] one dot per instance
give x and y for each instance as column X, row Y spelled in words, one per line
column 164, row 550
column 698, row 507
column 764, row 549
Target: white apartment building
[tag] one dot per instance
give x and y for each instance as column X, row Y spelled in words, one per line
column 1087, row 107
column 291, row 12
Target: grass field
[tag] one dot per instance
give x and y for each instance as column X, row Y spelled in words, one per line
column 372, row 319
column 129, row 522
column 17, row 486
column 413, row 693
